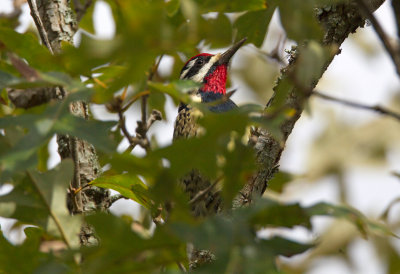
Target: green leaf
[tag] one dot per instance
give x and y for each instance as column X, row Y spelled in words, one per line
column 231, row 6
column 90, row 54
column 269, row 213
column 48, row 79
column 156, row 100
column 6, row 79
column 93, row 131
column 254, row 24
column 217, row 30
column 299, row 20
column 364, row 225
column 128, row 185
column 43, row 156
column 22, row 258
column 173, row 7
column 278, row 182
column 311, row 60
column 203, row 153
column 86, row 22
column 38, row 201
column 177, row 90
column 125, row 251
column 42, row 123
column 283, row 88
column 232, row 241
column 27, row 46
column 238, row 168
column 286, row 247
column 106, row 80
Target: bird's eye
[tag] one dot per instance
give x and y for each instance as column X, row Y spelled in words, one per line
column 199, row 62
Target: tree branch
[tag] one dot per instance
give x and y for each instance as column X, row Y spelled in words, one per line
column 396, row 9
column 39, row 25
column 80, row 9
column 201, row 194
column 133, row 141
column 115, row 198
column 394, row 54
column 28, row 98
column 142, row 125
column 338, row 24
column 36, row 96
column 377, row 108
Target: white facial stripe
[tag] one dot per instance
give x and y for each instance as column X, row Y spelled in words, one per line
column 198, row 77
column 195, row 97
column 189, row 66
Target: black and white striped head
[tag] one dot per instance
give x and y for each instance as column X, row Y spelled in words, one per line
column 197, row 67
column 209, row 69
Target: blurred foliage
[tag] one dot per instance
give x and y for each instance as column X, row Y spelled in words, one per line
column 145, row 30
column 371, row 148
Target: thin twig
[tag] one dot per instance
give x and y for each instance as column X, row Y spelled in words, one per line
column 396, row 11
column 80, row 9
column 199, row 195
column 39, row 24
column 155, row 68
column 144, row 109
column 142, row 127
column 144, row 123
column 134, row 99
column 181, row 267
column 115, row 198
column 144, row 98
column 133, row 141
column 81, row 188
column 138, row 141
column 395, row 55
column 122, row 125
column 376, row 108
column 385, row 214
column 154, row 116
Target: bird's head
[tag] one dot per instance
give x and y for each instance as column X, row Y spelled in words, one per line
column 210, row 70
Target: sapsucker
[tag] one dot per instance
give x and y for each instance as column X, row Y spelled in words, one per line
column 211, row 71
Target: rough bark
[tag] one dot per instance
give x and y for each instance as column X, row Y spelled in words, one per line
column 58, row 21
column 27, row 98
column 60, row 25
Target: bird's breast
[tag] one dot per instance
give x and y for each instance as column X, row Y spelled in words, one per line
column 185, row 123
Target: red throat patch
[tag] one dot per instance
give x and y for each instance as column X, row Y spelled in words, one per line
column 216, row 81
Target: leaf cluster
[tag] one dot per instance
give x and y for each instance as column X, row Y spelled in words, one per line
column 145, row 30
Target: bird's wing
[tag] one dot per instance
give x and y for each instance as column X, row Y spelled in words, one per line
column 223, row 107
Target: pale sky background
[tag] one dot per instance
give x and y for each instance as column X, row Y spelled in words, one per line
column 352, row 75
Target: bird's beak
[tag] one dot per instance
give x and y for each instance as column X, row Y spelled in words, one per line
column 227, row 55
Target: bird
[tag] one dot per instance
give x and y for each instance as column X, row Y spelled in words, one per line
column 211, row 71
